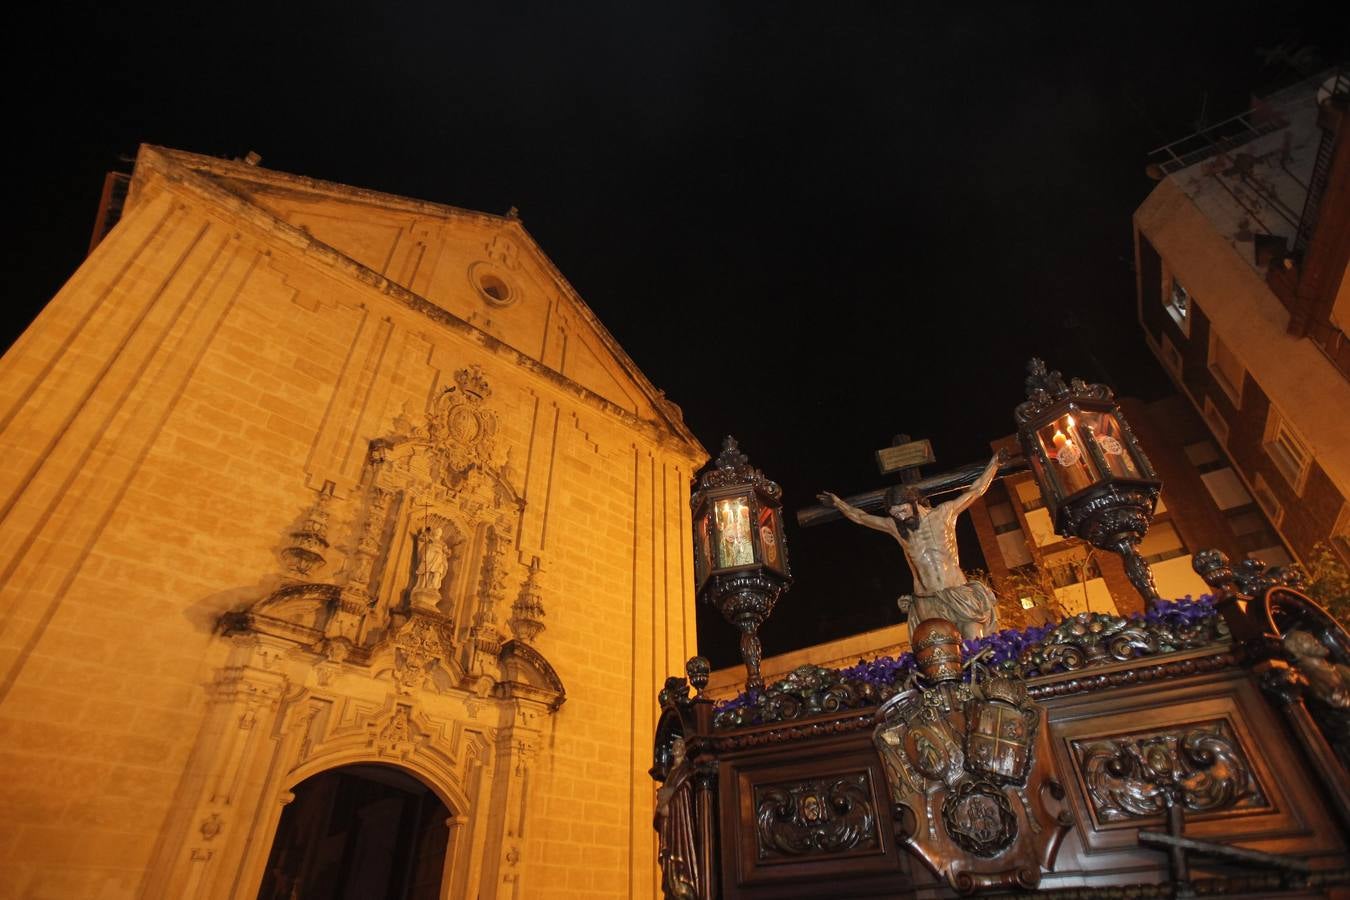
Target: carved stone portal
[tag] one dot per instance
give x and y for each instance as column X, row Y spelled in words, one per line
column 384, row 644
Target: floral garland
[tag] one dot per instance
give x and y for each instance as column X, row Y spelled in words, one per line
column 1076, row 641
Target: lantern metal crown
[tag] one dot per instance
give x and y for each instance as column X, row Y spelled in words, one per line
column 740, row 555
column 1097, row 483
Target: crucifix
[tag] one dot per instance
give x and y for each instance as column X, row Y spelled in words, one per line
column 926, row 533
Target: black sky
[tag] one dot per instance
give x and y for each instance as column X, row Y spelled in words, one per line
column 812, row 225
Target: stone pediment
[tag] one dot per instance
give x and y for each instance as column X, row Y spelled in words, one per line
column 480, row 274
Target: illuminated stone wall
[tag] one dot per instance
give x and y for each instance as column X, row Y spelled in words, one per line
column 224, row 358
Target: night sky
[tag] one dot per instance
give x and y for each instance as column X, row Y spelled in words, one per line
column 812, row 225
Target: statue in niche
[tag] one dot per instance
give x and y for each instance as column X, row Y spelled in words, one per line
column 432, row 563
column 927, row 534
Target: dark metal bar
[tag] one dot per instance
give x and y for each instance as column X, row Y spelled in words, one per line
column 1226, row 851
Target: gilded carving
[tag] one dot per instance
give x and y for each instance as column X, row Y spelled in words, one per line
column 815, row 816
column 1200, row 764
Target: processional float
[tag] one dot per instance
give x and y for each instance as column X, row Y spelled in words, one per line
column 1200, row 748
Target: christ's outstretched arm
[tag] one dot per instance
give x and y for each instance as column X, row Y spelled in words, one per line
column 980, row 485
column 853, row 514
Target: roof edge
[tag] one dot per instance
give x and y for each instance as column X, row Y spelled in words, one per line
column 200, row 174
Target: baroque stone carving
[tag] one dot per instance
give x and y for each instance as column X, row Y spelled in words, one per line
column 970, row 770
column 424, row 540
column 1200, row 765
column 432, row 562
column 815, row 816
column 527, row 613
column 306, row 552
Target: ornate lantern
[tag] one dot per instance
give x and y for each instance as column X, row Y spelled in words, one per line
column 740, row 557
column 1095, row 479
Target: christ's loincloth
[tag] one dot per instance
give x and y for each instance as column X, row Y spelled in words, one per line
column 971, row 606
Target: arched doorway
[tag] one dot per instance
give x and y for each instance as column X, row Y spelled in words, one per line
column 362, row 832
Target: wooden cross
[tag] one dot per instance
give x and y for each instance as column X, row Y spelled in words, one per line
column 906, row 457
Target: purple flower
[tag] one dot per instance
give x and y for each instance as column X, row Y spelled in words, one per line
column 1006, row 649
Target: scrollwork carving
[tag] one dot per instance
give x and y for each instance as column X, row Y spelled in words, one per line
column 806, row 691
column 1046, row 387
column 815, row 816
column 1080, row 642
column 979, row 818
column 1199, row 765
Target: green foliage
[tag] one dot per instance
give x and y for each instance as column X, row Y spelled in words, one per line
column 1029, row 582
column 1329, row 581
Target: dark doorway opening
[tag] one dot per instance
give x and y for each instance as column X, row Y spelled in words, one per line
column 359, row 833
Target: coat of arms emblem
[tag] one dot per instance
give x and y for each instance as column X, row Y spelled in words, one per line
column 969, row 770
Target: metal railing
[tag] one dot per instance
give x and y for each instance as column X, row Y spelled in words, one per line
column 1233, row 132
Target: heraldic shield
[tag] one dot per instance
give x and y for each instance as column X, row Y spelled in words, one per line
column 970, row 770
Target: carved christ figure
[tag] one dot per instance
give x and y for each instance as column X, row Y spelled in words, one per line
column 927, row 534
column 432, row 561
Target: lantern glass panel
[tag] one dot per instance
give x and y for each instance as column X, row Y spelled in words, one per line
column 702, row 549
column 1072, row 466
column 770, row 539
column 734, row 546
column 1106, row 429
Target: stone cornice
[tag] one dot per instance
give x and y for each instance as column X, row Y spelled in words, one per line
column 199, row 176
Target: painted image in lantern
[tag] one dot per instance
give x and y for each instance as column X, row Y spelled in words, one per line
column 733, row 533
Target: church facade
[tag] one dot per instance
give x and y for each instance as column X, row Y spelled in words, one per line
column 314, row 494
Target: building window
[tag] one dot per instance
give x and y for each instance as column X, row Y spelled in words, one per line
column 1072, row 567
column 1178, row 303
column 1161, row 543
column 1171, row 357
column 1204, row 456
column 1029, row 495
column 1266, row 498
column 1002, row 517
column 1216, row 422
column 1226, row 489
column 1287, row 450
column 1274, row 555
column 1225, row 368
column 1340, row 534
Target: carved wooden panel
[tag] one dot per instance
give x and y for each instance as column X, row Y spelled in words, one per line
column 1241, row 777
column 815, row 816
column 804, row 819
column 1128, row 776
